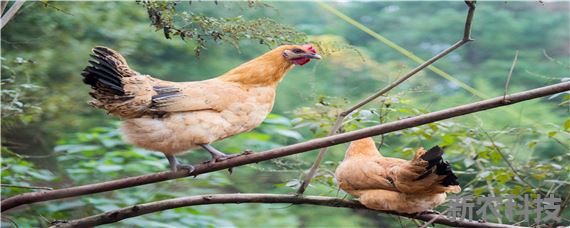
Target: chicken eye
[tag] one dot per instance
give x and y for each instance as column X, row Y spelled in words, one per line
column 298, row 51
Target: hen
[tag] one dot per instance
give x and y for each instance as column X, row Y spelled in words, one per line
column 394, row 184
column 173, row 117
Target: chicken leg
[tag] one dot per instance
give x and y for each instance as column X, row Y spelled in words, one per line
column 216, row 154
column 174, row 165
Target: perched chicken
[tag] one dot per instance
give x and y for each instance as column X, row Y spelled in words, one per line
column 173, row 117
column 395, row 184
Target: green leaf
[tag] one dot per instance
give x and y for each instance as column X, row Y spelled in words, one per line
column 484, row 174
column 448, row 139
column 479, row 191
column 539, row 176
column 468, row 162
column 288, row 133
column 483, row 154
column 532, row 144
column 277, row 120
column 503, row 177
column 107, row 207
column 42, row 175
column 496, row 156
column 109, row 168
column 76, row 148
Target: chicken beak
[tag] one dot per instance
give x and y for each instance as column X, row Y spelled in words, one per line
column 313, row 56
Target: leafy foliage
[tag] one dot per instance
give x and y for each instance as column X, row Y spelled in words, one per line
column 18, row 93
column 200, row 28
column 17, row 171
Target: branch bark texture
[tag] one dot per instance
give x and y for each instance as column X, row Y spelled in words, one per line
column 142, row 209
column 34, row 197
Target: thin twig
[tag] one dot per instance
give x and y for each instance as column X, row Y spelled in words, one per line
column 489, row 187
column 10, row 220
column 21, row 156
column 27, row 187
column 509, row 76
column 506, row 159
column 28, row 198
column 560, row 143
column 142, row 209
column 340, row 118
column 553, row 59
column 400, row 221
column 425, row 225
column 11, row 12
column 5, row 168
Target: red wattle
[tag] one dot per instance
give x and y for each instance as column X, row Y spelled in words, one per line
column 301, row 62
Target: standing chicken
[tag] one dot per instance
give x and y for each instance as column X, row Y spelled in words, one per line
column 395, row 184
column 173, row 117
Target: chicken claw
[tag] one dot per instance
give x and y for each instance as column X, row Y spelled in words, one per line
column 175, row 166
column 216, row 154
column 246, row 152
column 220, row 156
column 427, row 212
column 188, row 167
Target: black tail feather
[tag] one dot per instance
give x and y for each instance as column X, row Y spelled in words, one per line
column 442, row 168
column 433, row 156
column 102, row 74
column 104, row 67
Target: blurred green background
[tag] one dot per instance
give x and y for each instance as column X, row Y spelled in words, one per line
column 52, row 137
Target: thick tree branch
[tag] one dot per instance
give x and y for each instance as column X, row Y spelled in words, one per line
column 340, row 118
column 142, row 209
column 34, row 197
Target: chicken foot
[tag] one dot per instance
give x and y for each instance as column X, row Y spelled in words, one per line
column 175, row 166
column 218, row 155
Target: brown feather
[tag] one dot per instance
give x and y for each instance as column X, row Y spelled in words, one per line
column 365, row 173
column 173, row 117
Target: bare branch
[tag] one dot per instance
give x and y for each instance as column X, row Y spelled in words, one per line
column 34, row 197
column 340, row 118
column 142, row 209
column 11, row 12
column 510, row 74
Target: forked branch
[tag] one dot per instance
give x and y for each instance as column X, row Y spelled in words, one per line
column 34, row 197
column 340, row 118
column 142, row 209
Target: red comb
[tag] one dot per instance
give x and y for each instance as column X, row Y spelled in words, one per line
column 310, row 48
